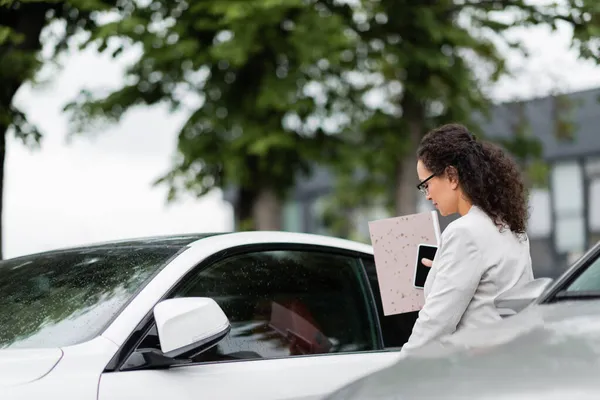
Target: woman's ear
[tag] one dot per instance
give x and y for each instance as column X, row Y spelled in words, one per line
column 452, row 174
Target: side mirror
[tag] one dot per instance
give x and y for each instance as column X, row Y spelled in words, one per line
column 188, row 326
column 515, row 300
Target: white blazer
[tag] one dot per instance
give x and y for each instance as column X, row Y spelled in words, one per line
column 474, row 264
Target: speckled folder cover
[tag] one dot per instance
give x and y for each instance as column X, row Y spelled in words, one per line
column 395, row 243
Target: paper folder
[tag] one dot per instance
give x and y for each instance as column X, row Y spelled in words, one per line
column 395, row 244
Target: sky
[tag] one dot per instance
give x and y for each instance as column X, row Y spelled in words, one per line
column 99, row 187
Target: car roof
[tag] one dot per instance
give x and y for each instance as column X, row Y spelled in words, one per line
column 197, row 239
column 180, row 240
column 280, row 237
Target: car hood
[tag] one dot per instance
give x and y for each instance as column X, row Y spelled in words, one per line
column 545, row 352
column 19, row 366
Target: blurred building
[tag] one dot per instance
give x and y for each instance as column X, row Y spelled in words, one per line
column 565, row 217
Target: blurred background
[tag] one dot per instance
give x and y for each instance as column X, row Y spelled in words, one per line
column 123, row 118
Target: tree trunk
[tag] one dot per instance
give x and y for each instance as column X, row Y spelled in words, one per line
column 7, row 92
column 267, row 211
column 243, row 209
column 3, row 130
column 28, row 20
column 406, row 175
column 258, row 210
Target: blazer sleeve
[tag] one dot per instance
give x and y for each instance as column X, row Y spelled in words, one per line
column 458, row 274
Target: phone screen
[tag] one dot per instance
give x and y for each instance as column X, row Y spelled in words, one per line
column 425, row 251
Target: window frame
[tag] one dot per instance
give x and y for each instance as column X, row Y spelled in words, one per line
column 116, row 364
column 572, row 273
column 379, row 308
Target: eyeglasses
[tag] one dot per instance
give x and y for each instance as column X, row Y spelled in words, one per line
column 423, row 186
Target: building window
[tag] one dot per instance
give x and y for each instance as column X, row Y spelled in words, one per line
column 539, row 224
column 592, row 168
column 361, row 218
column 594, row 204
column 318, row 208
column 424, row 205
column 292, row 217
column 568, row 197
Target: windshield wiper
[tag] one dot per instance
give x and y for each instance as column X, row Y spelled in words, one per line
column 583, row 295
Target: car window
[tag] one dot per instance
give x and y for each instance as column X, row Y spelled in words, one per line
column 285, row 303
column 66, row 297
column 396, row 329
column 588, row 280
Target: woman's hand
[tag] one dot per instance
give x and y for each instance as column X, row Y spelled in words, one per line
column 427, row 262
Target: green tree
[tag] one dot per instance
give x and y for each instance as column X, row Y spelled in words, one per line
column 265, row 78
column 21, row 26
column 436, row 61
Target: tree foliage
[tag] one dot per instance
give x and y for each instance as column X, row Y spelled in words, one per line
column 273, row 87
column 22, row 25
column 435, row 62
column 261, row 80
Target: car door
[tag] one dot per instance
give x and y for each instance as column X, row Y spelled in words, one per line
column 303, row 323
column 395, row 328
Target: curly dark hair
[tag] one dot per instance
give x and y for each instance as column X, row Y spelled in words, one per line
column 489, row 178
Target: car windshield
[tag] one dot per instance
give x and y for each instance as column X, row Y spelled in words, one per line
column 66, row 297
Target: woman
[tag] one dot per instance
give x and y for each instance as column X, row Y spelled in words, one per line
column 483, row 253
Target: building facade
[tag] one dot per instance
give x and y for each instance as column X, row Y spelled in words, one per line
column 564, row 217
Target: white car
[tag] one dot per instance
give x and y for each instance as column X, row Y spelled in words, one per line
column 256, row 315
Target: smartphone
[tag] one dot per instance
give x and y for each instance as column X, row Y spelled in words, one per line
column 421, row 271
